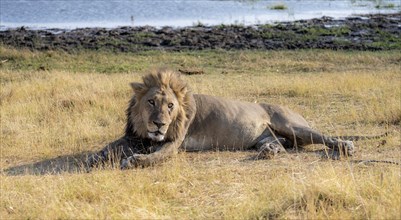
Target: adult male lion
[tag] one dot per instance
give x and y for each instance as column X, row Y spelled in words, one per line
column 163, row 116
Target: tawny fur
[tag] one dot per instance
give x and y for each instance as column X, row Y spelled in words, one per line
column 165, row 114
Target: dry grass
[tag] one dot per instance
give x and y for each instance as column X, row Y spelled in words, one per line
column 50, row 117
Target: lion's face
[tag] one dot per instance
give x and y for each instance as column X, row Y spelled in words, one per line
column 159, row 110
column 161, row 107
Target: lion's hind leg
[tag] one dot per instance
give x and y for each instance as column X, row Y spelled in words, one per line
column 294, row 127
column 306, row 136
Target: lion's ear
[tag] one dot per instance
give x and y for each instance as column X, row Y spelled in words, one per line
column 138, row 87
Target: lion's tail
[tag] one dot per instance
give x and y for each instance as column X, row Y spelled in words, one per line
column 376, row 161
column 357, row 138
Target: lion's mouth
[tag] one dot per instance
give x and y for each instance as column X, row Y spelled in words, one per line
column 156, row 135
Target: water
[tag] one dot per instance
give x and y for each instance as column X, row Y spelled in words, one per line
column 69, row 14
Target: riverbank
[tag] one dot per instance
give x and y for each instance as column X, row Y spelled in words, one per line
column 367, row 32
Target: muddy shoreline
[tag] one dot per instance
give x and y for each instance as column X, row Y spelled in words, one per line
column 365, row 32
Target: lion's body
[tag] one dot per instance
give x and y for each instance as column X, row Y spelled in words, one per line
column 165, row 114
column 225, row 124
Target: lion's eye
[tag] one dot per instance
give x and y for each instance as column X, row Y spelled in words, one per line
column 170, row 105
column 151, row 102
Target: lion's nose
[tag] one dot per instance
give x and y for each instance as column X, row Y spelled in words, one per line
column 159, row 124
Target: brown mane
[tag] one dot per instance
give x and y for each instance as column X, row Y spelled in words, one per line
column 163, row 79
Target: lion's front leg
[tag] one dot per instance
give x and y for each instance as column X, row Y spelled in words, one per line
column 111, row 152
column 117, row 150
column 136, row 160
column 161, row 154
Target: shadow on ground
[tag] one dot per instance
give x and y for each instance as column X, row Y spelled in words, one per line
column 62, row 164
column 74, row 163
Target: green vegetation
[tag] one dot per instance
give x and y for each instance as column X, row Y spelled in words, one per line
column 390, row 5
column 331, row 31
column 56, row 106
column 278, row 7
column 86, row 61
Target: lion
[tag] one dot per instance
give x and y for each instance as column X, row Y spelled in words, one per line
column 164, row 116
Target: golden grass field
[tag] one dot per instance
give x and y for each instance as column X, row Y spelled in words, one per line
column 57, row 107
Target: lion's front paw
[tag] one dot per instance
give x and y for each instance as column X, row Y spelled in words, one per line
column 136, row 160
column 349, row 148
column 269, row 151
column 125, row 164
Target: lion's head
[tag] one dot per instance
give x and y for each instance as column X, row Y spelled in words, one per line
column 162, row 106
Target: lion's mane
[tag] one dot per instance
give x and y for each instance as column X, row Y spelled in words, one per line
column 163, row 79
